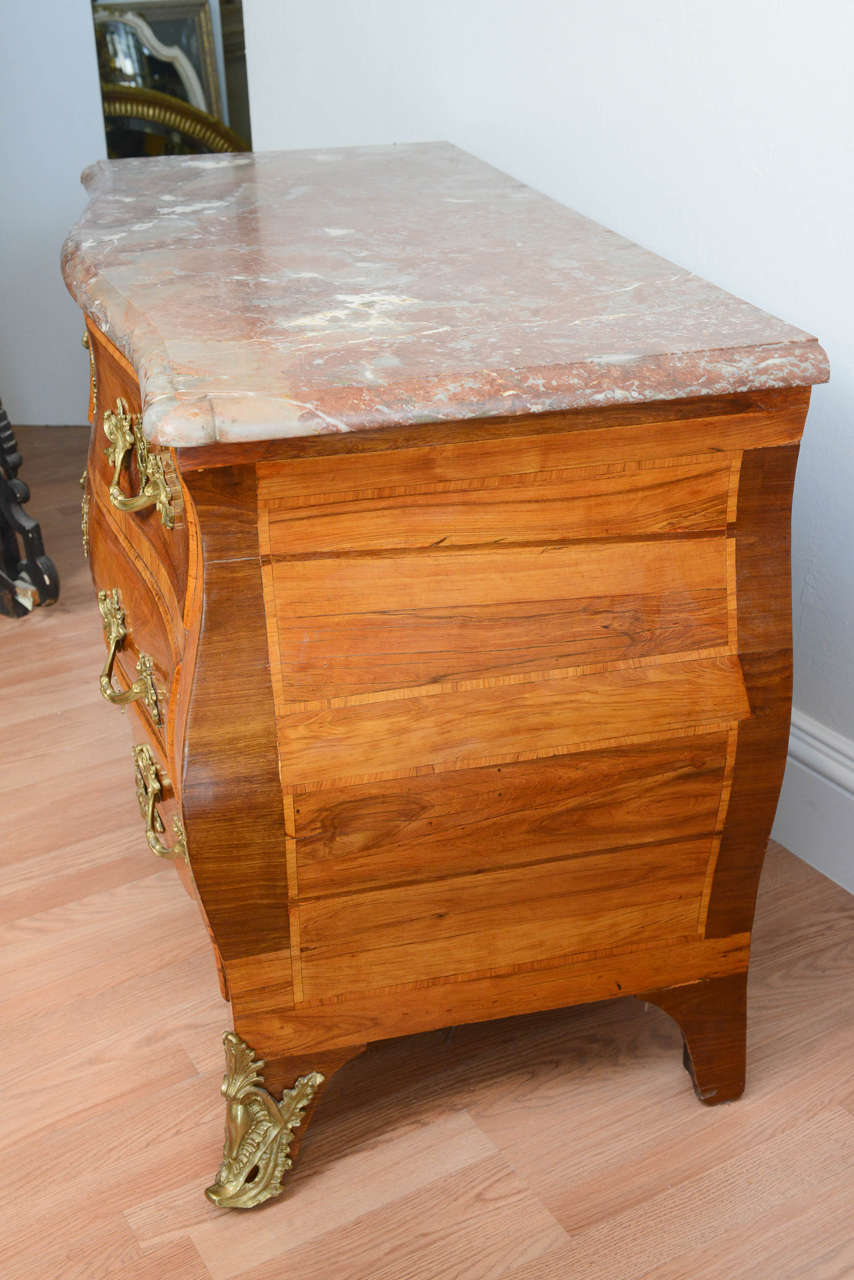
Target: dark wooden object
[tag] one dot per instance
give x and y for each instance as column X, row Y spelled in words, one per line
column 28, row 577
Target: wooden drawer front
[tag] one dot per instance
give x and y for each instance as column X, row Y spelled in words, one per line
column 161, row 826
column 474, row 820
column 165, row 550
column 168, row 806
column 147, row 619
column 502, row 919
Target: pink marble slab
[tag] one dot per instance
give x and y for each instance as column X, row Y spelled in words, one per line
column 294, row 293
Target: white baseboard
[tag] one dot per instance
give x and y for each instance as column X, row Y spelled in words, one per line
column 815, row 817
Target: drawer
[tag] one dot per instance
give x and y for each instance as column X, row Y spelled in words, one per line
column 147, row 655
column 160, row 811
column 161, row 816
column 158, row 536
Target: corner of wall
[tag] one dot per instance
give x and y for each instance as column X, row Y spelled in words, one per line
column 815, row 816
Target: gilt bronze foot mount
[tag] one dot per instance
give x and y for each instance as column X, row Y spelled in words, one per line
column 258, row 1129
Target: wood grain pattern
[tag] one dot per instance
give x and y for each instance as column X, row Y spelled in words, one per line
column 712, row 1016
column 420, row 828
column 546, row 716
column 765, row 629
column 165, row 548
column 373, row 1014
column 501, row 918
column 464, row 578
column 280, row 1074
column 149, row 627
column 356, row 623
column 230, row 789
column 148, row 563
column 615, row 501
column 665, row 429
column 336, row 655
column 137, row 548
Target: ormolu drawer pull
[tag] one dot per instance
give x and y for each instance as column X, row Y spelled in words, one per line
column 150, row 782
column 93, row 376
column 115, row 632
column 124, row 432
column 84, row 516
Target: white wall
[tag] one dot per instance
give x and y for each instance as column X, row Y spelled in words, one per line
column 50, row 128
column 717, row 132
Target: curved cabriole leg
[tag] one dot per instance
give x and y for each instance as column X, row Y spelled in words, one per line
column 712, row 1018
column 261, row 1142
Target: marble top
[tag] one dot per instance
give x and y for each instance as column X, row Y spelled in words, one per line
column 294, row 293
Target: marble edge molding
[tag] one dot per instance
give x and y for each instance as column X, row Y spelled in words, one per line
column 176, row 420
column 181, row 419
column 582, row 385
column 138, row 340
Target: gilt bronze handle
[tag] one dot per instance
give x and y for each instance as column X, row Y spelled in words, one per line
column 150, row 782
column 84, row 516
column 124, row 432
column 115, row 632
column 93, row 378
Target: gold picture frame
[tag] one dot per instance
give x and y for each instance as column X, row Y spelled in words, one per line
column 187, row 25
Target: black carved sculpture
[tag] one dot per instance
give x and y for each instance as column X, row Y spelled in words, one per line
column 27, row 576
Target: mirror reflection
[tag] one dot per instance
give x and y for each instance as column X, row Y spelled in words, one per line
column 173, row 76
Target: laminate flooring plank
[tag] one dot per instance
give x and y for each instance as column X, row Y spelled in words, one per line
column 84, row 1081
column 811, row 1240
column 68, row 873
column 356, row 1182
column 799, row 1054
column 131, row 1006
column 75, row 812
column 82, row 1172
column 472, row 1225
column 582, row 1183
column 628, row 1244
column 90, row 1254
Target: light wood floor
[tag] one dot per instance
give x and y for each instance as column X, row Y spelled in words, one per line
column 550, row 1147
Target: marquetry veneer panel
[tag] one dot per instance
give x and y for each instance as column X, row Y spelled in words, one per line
column 437, row 825
column 514, row 720
column 516, row 916
column 627, row 499
column 417, row 619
